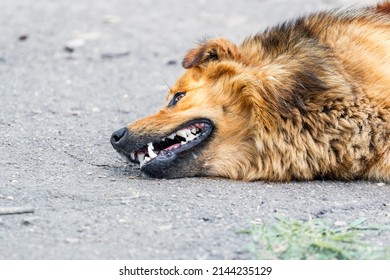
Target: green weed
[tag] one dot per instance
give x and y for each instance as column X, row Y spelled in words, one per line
column 314, row 239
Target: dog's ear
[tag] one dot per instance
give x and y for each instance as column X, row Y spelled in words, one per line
column 211, row 50
column 383, row 7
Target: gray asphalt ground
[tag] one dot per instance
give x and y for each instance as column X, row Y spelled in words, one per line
column 71, row 73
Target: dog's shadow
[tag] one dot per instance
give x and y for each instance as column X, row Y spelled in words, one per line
column 124, row 170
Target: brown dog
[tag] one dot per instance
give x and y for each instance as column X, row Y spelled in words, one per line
column 307, row 99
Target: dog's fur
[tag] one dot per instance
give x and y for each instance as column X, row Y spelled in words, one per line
column 307, row 99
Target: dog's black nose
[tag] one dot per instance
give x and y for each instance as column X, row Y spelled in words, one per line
column 118, row 138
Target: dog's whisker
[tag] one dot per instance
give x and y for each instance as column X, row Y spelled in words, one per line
column 165, row 85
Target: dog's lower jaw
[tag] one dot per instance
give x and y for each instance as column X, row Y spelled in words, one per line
column 176, row 168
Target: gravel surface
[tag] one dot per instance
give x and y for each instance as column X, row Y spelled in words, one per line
column 71, row 74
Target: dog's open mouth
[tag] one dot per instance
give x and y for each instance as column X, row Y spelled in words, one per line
column 183, row 139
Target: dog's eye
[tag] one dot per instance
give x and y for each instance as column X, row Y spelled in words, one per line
column 176, row 98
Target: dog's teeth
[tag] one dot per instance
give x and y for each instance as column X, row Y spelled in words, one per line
column 182, row 133
column 185, row 133
column 193, row 130
column 190, row 137
column 151, row 153
column 163, row 139
column 172, row 136
column 183, row 142
column 141, row 158
column 132, row 156
column 145, row 161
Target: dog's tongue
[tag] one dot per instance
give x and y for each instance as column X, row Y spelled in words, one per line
column 174, row 146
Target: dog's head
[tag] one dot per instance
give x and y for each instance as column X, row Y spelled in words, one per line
column 204, row 127
column 212, row 116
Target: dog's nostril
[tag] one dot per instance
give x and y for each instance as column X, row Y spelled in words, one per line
column 118, row 135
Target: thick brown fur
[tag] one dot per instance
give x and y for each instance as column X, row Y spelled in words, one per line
column 307, row 99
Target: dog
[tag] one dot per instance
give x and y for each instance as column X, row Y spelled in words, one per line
column 307, row 99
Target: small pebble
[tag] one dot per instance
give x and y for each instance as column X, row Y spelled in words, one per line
column 111, row 19
column 115, row 55
column 29, row 220
column 23, row 37
column 340, row 223
column 171, row 62
column 165, row 227
column 71, row 240
column 72, row 45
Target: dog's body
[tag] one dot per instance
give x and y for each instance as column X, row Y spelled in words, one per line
column 307, row 99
